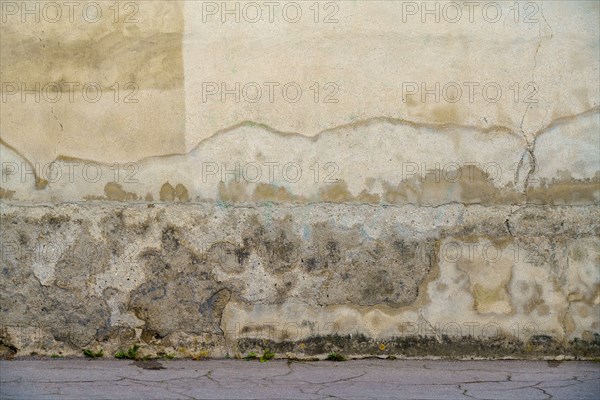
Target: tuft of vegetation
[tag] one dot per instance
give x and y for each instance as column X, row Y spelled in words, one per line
column 201, row 355
column 267, row 355
column 131, row 354
column 333, row 356
column 93, row 354
column 54, row 355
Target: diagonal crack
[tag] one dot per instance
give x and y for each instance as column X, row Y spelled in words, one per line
column 530, row 139
column 56, row 118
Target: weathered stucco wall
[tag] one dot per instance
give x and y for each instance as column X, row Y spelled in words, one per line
column 391, row 178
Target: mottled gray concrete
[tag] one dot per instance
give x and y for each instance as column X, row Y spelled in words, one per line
column 357, row 379
column 302, row 281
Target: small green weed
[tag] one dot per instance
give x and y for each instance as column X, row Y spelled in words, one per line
column 267, row 355
column 131, row 354
column 333, row 356
column 92, row 353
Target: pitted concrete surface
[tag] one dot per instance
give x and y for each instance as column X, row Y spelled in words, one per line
column 181, row 280
column 279, row 379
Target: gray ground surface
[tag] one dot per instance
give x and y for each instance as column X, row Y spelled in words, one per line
column 278, row 379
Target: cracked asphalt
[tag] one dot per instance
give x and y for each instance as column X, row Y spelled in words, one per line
column 278, row 379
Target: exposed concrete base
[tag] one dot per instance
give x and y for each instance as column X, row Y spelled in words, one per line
column 207, row 280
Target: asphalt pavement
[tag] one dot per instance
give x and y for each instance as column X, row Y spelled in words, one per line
column 279, row 379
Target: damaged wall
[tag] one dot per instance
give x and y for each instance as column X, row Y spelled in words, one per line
column 361, row 177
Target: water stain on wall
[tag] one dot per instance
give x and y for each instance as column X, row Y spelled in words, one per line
column 115, row 84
